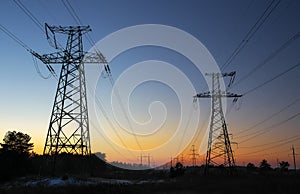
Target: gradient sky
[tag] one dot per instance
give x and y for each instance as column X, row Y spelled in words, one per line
column 26, row 99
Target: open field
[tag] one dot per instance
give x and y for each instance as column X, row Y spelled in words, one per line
column 189, row 183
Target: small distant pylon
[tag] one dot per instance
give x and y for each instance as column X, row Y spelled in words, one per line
column 182, row 159
column 219, row 152
column 148, row 158
column 194, row 154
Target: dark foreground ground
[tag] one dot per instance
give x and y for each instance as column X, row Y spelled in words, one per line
column 188, row 183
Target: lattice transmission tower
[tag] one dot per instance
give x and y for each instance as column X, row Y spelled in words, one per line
column 69, row 123
column 219, row 152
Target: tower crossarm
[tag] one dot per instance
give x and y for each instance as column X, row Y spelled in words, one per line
column 67, row 29
column 231, row 74
column 63, row 57
column 231, row 95
column 52, row 58
column 97, row 57
column 223, row 95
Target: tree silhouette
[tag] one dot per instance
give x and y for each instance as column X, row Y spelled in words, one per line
column 14, row 155
column 250, row 167
column 264, row 165
column 177, row 171
column 16, row 142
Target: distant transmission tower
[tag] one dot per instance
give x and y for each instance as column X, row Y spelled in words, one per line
column 69, row 124
column 219, row 152
column 193, row 155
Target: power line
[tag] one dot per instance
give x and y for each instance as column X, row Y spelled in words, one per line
column 41, row 27
column 76, row 18
column 14, row 37
column 265, row 153
column 34, row 19
column 272, row 147
column 269, row 58
column 38, row 69
column 274, row 142
column 272, row 79
column 267, row 119
column 71, row 11
column 27, row 48
column 265, row 130
column 261, row 20
column 30, row 15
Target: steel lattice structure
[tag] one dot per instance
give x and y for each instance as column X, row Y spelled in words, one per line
column 219, row 152
column 69, row 124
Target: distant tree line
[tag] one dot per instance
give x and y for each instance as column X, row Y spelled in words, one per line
column 265, row 167
column 125, row 165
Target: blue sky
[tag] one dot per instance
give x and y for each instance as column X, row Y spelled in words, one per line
column 26, row 99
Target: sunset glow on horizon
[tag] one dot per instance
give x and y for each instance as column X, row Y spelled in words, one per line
column 146, row 107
